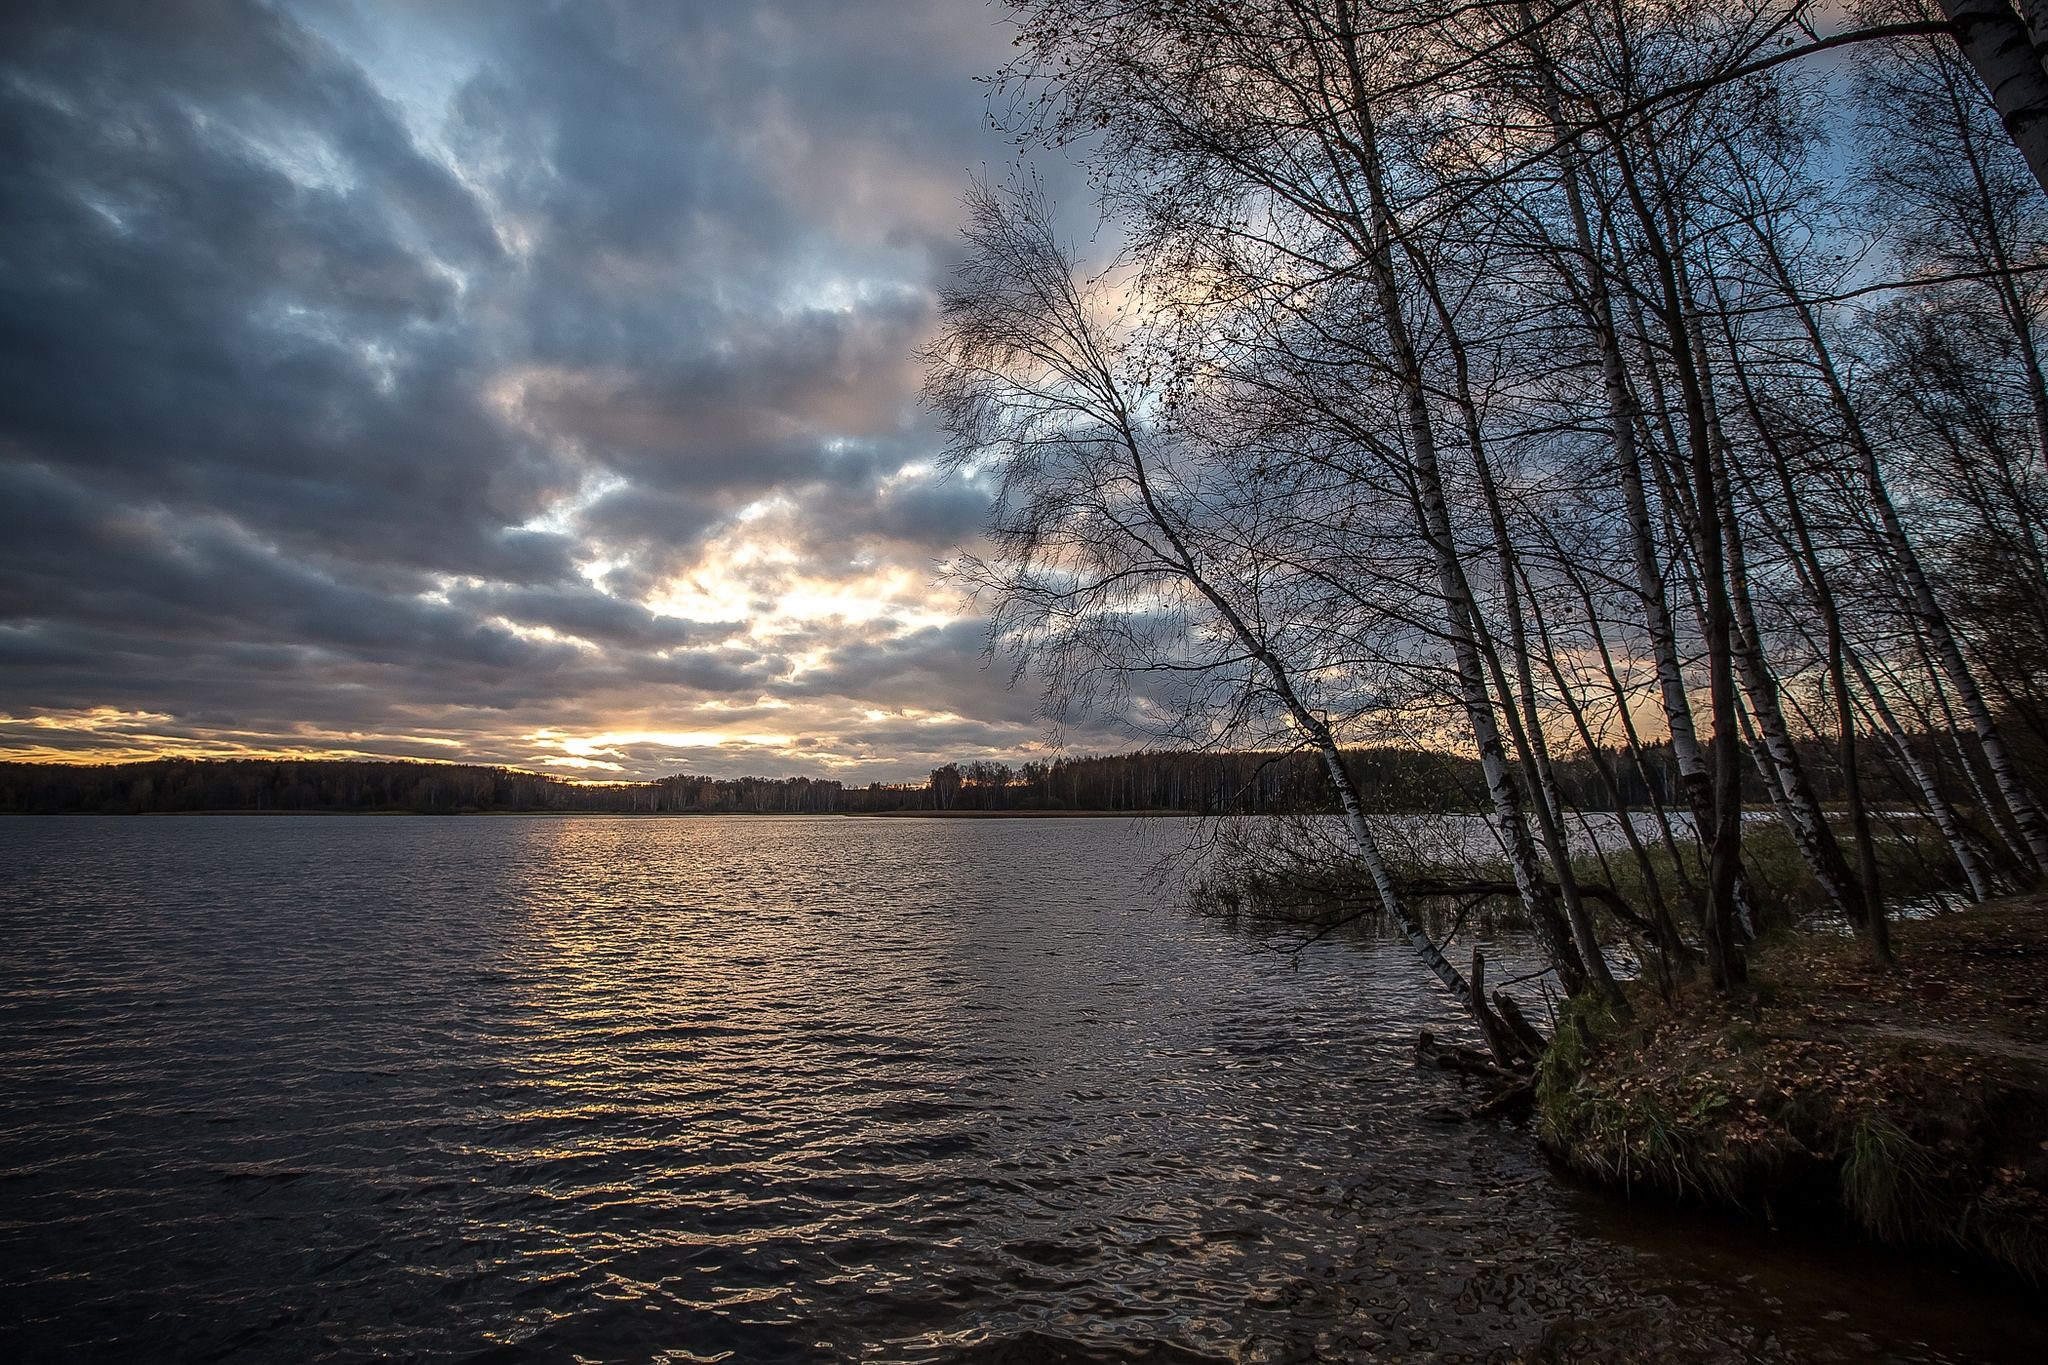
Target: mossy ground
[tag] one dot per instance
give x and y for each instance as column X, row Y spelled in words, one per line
column 1912, row 1103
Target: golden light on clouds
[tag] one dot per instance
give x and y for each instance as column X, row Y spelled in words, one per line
column 754, row 573
column 611, row 465
column 603, row 750
column 94, row 718
column 105, row 734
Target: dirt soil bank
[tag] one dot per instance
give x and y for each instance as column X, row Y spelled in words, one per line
column 1912, row 1104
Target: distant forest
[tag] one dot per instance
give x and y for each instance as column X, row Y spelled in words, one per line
column 1196, row 783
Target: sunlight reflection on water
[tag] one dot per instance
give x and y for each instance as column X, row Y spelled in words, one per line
column 785, row 1089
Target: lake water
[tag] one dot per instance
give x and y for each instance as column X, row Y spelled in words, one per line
column 760, row 1089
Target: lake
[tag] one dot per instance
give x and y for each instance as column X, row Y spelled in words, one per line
column 761, row 1089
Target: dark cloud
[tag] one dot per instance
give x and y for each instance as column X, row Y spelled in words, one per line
column 471, row 380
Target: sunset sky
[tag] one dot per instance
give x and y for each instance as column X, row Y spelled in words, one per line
column 517, row 383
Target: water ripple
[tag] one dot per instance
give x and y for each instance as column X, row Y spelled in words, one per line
column 509, row 1090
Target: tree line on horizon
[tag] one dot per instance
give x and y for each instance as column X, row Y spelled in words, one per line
column 1197, row 784
column 1276, row 783
column 1553, row 381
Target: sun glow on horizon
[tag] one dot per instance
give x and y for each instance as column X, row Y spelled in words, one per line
column 604, row 750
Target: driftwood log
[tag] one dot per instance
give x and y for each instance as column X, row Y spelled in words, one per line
column 1513, row 1042
column 1467, row 1061
column 1526, row 1033
column 1509, row 1092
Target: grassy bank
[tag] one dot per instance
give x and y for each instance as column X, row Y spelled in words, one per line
column 1911, row 1104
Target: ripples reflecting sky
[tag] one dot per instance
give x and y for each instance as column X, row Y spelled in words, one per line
column 760, row 1089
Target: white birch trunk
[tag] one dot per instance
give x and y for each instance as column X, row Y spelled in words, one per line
column 1999, row 44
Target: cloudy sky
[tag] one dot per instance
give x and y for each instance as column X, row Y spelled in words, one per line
column 519, row 382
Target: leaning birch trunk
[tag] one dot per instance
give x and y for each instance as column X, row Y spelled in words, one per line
column 1939, row 718
column 1525, row 862
column 1632, row 739
column 2012, row 785
column 1995, row 39
column 1716, row 809
column 1664, row 926
column 1799, row 803
column 1525, row 729
column 1939, row 808
column 2035, row 12
column 1724, row 861
column 1989, row 230
column 1624, row 414
column 1813, row 574
column 1499, row 1040
column 1052, row 327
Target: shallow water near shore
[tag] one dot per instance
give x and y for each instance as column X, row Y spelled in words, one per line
column 766, row 1089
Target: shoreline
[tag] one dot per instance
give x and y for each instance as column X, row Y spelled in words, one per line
column 1909, row 1106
